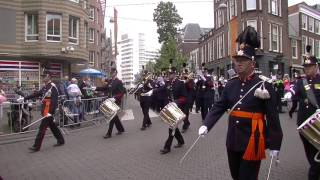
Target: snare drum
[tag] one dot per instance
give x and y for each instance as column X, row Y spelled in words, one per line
column 310, row 129
column 172, row 114
column 109, row 108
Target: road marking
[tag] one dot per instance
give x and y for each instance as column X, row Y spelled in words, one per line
column 126, row 115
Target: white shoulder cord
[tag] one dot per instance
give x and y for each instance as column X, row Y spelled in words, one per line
column 244, row 96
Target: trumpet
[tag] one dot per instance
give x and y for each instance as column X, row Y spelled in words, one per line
column 140, row 84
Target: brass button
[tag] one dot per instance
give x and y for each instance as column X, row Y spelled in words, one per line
column 241, row 90
column 238, row 108
column 241, row 96
column 237, row 122
column 242, row 84
column 307, row 106
column 240, row 102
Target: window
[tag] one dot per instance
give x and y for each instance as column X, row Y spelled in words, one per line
column 304, row 44
column 274, row 7
column 317, row 48
column 261, row 35
column 294, row 48
column 311, row 24
column 311, row 43
column 317, row 26
column 97, row 40
column 232, row 9
column 304, row 19
column 91, row 58
column 274, row 38
column 91, row 35
column 251, row 4
column 252, row 23
column 54, row 27
column 31, row 27
column 76, row 1
column 91, row 13
column 220, row 46
column 220, row 18
column 85, row 34
column 73, row 30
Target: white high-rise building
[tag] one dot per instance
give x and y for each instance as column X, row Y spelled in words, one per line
column 133, row 54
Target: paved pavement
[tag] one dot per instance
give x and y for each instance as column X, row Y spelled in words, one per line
column 135, row 154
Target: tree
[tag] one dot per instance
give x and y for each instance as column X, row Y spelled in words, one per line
column 167, row 18
column 169, row 51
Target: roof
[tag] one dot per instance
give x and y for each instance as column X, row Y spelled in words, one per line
column 192, row 31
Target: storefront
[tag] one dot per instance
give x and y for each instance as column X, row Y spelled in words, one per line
column 25, row 74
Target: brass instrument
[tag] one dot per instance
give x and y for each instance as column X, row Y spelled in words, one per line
column 140, row 84
column 172, row 114
column 109, row 108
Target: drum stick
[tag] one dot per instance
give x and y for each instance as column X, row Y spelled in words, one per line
column 188, row 151
column 270, row 168
column 34, row 122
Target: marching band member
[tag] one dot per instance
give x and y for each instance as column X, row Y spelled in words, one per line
column 204, row 86
column 115, row 90
column 189, row 85
column 308, row 106
column 253, row 120
column 49, row 94
column 145, row 100
column 178, row 94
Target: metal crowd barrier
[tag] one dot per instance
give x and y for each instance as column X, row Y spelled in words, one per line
column 70, row 115
column 76, row 112
column 15, row 116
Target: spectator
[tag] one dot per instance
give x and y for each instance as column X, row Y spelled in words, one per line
column 75, row 94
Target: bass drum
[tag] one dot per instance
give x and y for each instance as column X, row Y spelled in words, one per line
column 172, row 115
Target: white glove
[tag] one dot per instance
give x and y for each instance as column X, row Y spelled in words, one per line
column 112, row 99
column 274, row 153
column 93, row 88
column 203, row 130
column 287, row 96
column 149, row 93
column 48, row 115
column 20, row 100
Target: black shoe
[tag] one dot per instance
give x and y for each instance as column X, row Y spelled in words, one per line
column 119, row 133
column 149, row 125
column 59, row 144
column 143, row 128
column 164, row 151
column 34, row 149
column 107, row 136
column 178, row 145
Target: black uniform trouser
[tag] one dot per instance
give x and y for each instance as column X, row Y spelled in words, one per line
column 279, row 103
column 241, row 169
column 311, row 151
column 204, row 105
column 115, row 121
column 186, row 122
column 48, row 121
column 177, row 134
column 145, row 106
column 294, row 106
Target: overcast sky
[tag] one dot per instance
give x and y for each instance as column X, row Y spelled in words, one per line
column 138, row 18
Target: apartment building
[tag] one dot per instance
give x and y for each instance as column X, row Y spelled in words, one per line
column 40, row 36
column 133, row 55
column 304, row 29
column 268, row 17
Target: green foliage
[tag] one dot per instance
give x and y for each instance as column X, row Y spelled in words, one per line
column 167, row 18
column 169, row 51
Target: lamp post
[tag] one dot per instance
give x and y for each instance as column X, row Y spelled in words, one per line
column 224, row 5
